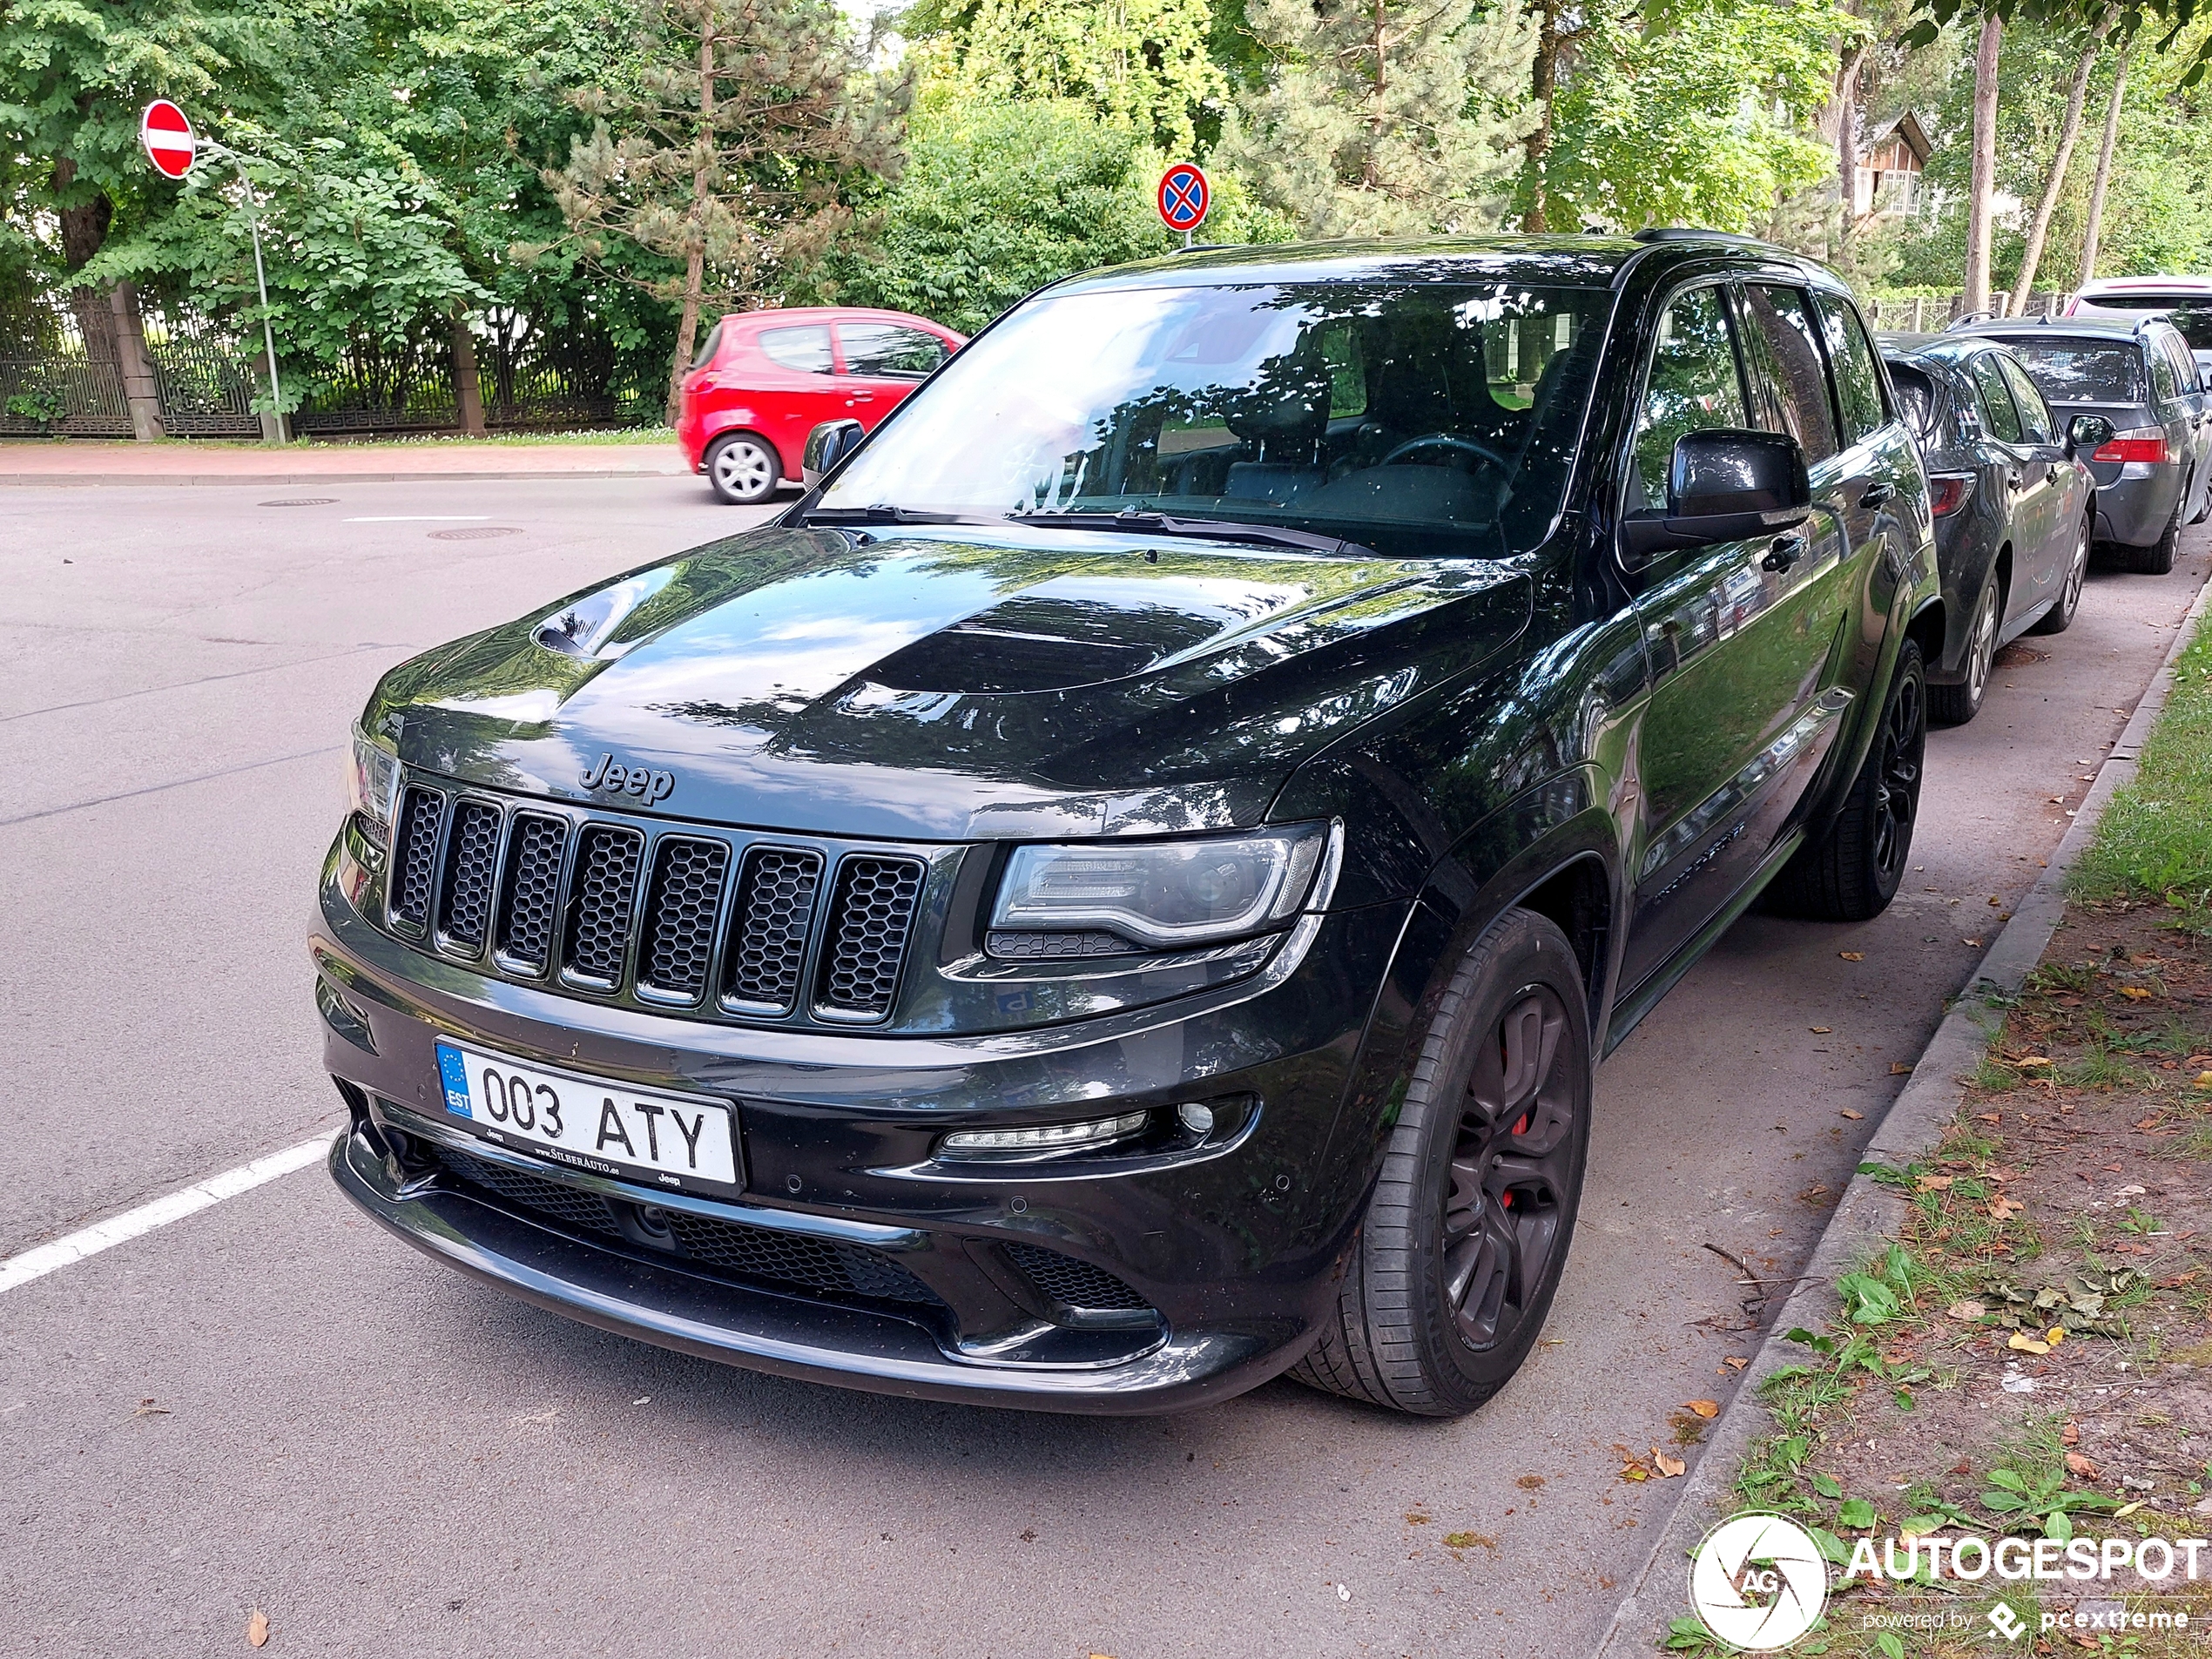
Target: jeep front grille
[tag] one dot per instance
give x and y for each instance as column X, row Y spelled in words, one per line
column 676, row 918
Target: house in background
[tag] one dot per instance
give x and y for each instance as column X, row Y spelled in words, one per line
column 1891, row 162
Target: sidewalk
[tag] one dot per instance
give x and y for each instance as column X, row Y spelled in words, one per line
column 96, row 460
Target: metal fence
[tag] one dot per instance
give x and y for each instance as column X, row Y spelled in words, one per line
column 1927, row 313
column 58, row 375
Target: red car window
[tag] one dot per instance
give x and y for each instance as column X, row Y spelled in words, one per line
column 807, row 348
column 886, row 351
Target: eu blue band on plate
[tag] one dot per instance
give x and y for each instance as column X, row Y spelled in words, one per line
column 452, row 1071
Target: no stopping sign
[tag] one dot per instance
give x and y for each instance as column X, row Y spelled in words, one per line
column 1184, row 197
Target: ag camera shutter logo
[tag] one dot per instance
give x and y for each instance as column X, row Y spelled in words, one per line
column 1758, row 1581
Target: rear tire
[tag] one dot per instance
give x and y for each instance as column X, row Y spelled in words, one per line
column 2157, row 559
column 2059, row 617
column 1460, row 1254
column 1956, row 704
column 743, row 468
column 1851, row 873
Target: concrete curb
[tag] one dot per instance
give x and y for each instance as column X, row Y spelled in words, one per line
column 1869, row 1213
column 263, row 480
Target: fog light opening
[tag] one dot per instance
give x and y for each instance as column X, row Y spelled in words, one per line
column 1196, row 1118
column 1049, row 1138
column 653, row 1219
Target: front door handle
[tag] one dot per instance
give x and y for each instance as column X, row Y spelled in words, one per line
column 1876, row 494
column 1785, row 552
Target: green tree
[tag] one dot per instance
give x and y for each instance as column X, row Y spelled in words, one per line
column 728, row 147
column 1390, row 117
column 1145, row 64
column 1697, row 113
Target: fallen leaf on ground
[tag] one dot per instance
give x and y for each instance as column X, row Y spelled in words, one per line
column 1966, row 1312
column 1468, row 1540
column 1669, row 1467
column 1736, row 1361
column 1415, row 1518
column 257, row 1629
column 2077, row 1464
column 1852, row 955
column 1854, row 1116
column 2005, row 1209
column 2133, row 992
column 2027, row 1060
column 2022, row 1343
column 1899, row 1068
column 2204, row 1080
column 2055, row 1335
column 2152, row 1121
column 1935, row 1184
column 1821, row 1031
column 2071, row 1435
column 1989, row 1117
column 1703, row 1408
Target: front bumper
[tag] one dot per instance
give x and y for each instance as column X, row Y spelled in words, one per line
column 1225, row 1245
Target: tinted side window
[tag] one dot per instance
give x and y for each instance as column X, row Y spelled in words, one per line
column 2035, row 413
column 2184, row 365
column 1858, row 383
column 1996, row 411
column 707, row 346
column 888, row 352
column 1694, row 385
column 805, row 349
column 1794, row 380
column 2163, row 386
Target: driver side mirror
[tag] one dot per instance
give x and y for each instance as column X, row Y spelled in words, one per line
column 2087, row 434
column 1726, row 485
column 826, row 445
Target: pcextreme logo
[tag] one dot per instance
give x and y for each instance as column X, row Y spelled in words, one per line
column 1758, row 1581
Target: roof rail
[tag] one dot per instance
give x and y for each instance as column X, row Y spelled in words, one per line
column 1971, row 318
column 1695, row 233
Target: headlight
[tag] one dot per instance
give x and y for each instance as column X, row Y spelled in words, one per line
column 371, row 778
column 1159, row 895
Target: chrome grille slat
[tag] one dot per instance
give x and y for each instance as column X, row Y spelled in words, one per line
column 415, row 861
column 464, row 896
column 870, row 919
column 777, row 892
column 530, row 892
column 602, row 899
column 683, row 907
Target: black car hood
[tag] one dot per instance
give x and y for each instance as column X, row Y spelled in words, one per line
column 951, row 683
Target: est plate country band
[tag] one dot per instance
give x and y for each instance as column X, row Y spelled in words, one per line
column 678, row 1143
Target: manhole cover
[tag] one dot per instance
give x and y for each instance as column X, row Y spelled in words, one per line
column 305, row 501
column 474, row 533
column 2017, row 656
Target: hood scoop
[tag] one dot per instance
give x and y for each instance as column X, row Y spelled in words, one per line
column 1042, row 641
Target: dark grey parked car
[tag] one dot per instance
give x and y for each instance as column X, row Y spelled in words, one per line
column 2015, row 508
column 2151, row 473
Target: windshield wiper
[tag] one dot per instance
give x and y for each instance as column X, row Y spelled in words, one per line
column 1216, row 529
column 881, row 515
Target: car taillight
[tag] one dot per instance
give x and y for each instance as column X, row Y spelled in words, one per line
column 1949, row 491
column 2144, row 443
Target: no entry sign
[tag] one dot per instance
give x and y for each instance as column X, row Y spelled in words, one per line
column 167, row 137
column 1184, row 197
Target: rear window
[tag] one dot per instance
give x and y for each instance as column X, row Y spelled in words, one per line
column 2068, row 371
column 2192, row 314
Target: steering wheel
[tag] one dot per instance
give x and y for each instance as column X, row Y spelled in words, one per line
column 1447, row 441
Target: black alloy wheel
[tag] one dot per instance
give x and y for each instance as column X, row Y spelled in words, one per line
column 1456, row 1263
column 1852, row 872
column 1956, row 704
column 2059, row 617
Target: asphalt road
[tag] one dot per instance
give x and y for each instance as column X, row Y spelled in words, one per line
column 271, row 1406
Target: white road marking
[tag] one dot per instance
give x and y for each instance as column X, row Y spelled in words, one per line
column 116, row 1230
column 417, row 518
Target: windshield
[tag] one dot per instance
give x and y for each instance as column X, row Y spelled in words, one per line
column 2068, row 373
column 1419, row 419
column 2193, row 316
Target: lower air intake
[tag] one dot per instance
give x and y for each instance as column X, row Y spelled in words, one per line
column 1074, row 1284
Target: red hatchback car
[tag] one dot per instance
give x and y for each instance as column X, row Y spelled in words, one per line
column 763, row 380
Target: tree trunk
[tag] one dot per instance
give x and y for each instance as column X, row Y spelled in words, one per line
column 1543, row 82
column 1984, row 176
column 2069, row 132
column 2095, row 225
column 687, row 323
column 141, row 391
column 468, row 387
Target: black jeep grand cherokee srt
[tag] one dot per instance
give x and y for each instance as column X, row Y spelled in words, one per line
column 1120, row 891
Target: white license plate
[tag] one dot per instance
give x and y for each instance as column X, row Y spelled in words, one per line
column 685, row 1143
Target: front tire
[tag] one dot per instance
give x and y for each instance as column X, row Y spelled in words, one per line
column 1851, row 873
column 743, row 468
column 1460, row 1254
column 1956, row 704
column 2059, row 617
